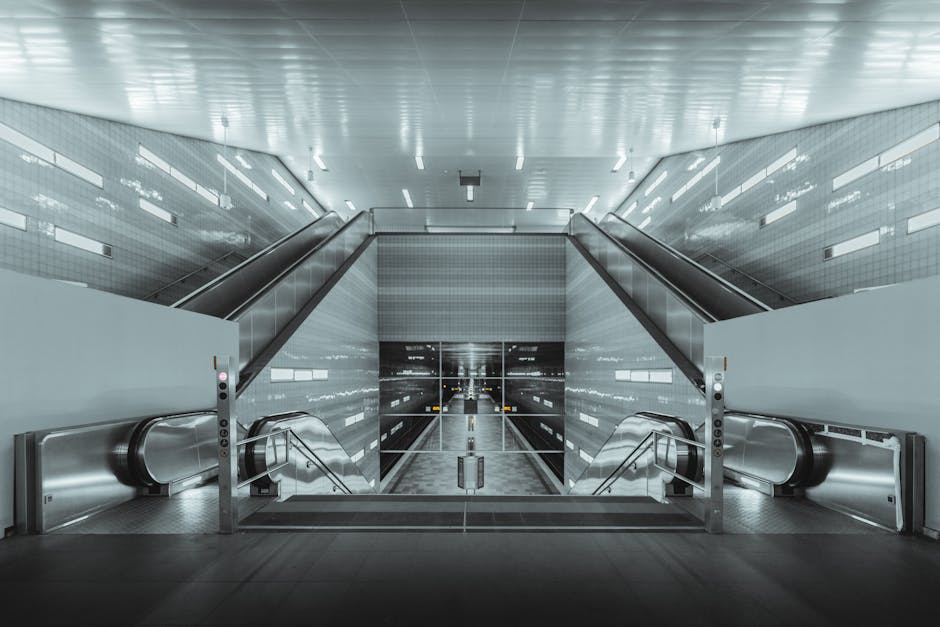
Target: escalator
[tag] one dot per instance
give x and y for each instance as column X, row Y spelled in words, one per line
column 669, row 294
column 273, row 292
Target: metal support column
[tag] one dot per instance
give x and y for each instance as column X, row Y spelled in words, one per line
column 228, row 449
column 715, row 383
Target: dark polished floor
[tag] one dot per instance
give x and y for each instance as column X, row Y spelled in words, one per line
column 433, row 578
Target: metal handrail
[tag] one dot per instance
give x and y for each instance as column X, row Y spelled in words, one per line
column 682, row 257
column 660, row 434
column 753, row 278
column 183, row 278
column 247, row 304
column 261, row 253
column 607, row 483
column 289, row 437
column 699, row 311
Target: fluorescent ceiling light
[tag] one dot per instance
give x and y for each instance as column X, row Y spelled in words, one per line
column 529, row 205
column 13, row 219
column 469, row 229
column 778, row 213
column 852, row 245
column 419, row 161
column 282, row 374
column 156, row 211
column 241, row 176
column 290, row 205
column 80, row 241
column 914, row 223
column 631, row 208
column 520, row 160
column 207, row 194
column 866, row 167
column 469, row 193
column 309, row 207
column 407, row 196
column 645, row 223
column 591, row 420
column 698, row 161
column 620, row 161
column 655, row 184
column 583, row 455
column 734, row 193
column 591, row 203
column 319, row 161
column 182, row 178
column 242, row 161
column 759, row 176
column 350, row 205
column 147, row 154
column 652, row 205
column 280, row 179
column 357, row 456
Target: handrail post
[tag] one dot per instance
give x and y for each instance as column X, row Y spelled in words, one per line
column 227, row 441
column 715, row 383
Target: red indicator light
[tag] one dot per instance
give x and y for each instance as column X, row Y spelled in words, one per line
column 223, row 376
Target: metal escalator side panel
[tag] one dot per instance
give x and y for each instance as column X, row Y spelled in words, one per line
column 718, row 297
column 766, row 448
column 224, row 295
column 167, row 449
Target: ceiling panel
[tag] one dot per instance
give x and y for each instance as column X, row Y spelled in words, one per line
column 470, row 84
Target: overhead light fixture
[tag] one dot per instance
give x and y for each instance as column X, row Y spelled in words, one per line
column 469, row 229
column 319, row 161
column 645, row 223
column 591, row 203
column 419, row 161
column 290, row 205
column 655, row 184
column 529, row 205
column 520, row 160
column 309, row 207
column 631, row 208
column 469, row 193
column 350, row 205
column 242, row 161
column 407, row 196
column 280, row 179
column 619, row 164
column 225, row 201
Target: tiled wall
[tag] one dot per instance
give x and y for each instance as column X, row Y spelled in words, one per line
column 146, row 252
column 598, row 345
column 471, row 288
column 788, row 254
column 340, row 336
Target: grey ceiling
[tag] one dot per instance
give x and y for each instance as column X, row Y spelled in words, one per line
column 470, row 84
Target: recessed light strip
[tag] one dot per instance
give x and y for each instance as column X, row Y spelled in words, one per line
column 419, row 161
column 407, row 197
column 469, row 193
column 280, row 179
column 520, row 161
column 309, row 207
column 350, row 205
column 655, row 184
column 889, row 156
column 698, row 177
column 163, row 165
column 645, row 223
column 319, row 161
column 759, row 176
column 241, row 176
column 13, row 219
column 591, row 203
column 69, row 238
column 914, row 223
column 852, row 245
column 778, row 213
column 631, row 208
column 156, row 211
column 529, row 205
column 49, row 155
column 620, row 161
column 242, row 161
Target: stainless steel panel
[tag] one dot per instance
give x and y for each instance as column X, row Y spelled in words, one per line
column 763, row 447
column 862, row 479
column 178, row 447
column 302, row 476
column 80, row 471
column 641, row 478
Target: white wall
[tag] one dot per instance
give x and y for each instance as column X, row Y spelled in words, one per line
column 70, row 355
column 867, row 359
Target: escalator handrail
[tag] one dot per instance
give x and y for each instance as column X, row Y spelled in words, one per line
column 687, row 300
column 135, row 458
column 690, row 262
column 254, row 298
column 262, row 253
column 258, row 424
